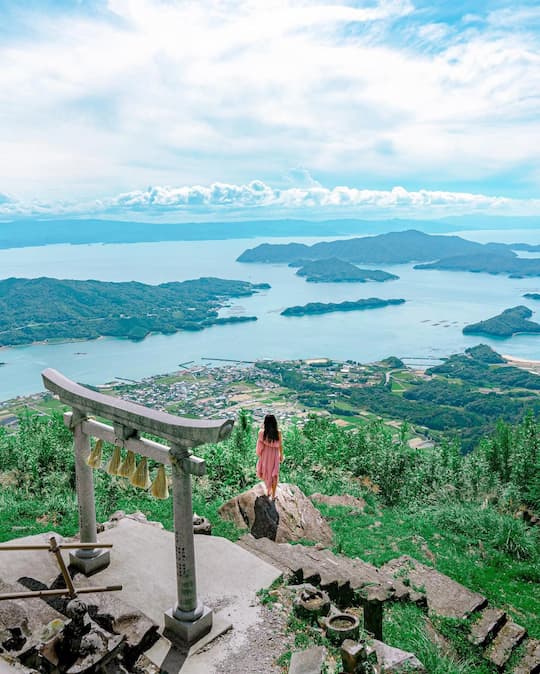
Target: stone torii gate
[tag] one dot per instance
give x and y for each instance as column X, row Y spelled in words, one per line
column 188, row 619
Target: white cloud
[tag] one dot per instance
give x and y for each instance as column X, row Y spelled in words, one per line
column 259, row 199
column 174, row 92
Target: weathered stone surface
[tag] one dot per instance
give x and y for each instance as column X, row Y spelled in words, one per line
column 353, row 654
column 137, row 516
column 489, row 623
column 500, row 650
column 28, row 616
column 530, row 662
column 13, row 667
column 308, row 662
column 291, row 517
column 334, row 573
column 311, row 603
column 115, row 615
column 345, row 500
column 444, row 596
column 201, row 525
column 393, row 660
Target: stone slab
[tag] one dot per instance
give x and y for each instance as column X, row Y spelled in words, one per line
column 444, row 596
column 491, row 620
column 530, row 662
column 343, row 500
column 187, row 631
column 143, row 561
column 309, row 661
column 90, row 565
column 19, row 563
column 509, row 637
column 394, row 660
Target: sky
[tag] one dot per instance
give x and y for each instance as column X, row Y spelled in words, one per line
column 214, row 109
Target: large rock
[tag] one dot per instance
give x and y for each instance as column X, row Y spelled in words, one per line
column 291, row 517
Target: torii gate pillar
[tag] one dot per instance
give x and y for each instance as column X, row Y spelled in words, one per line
column 188, row 620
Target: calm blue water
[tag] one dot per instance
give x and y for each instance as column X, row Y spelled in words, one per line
column 429, row 324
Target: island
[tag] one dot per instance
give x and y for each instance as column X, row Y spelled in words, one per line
column 515, row 267
column 510, row 322
column 334, row 270
column 529, row 247
column 45, row 309
column 532, row 296
column 392, row 248
column 313, row 308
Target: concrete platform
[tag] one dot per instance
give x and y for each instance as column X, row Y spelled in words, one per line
column 143, row 561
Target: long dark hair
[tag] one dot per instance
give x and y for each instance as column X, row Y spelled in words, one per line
column 270, row 432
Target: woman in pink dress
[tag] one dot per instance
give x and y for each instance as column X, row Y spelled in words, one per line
column 270, row 453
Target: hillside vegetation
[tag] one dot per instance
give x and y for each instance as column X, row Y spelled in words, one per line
column 462, row 398
column 391, row 248
column 334, row 270
column 451, row 511
column 326, row 308
column 33, row 310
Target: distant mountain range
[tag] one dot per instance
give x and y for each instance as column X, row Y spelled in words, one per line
column 41, row 232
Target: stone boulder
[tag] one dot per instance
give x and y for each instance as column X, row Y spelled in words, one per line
column 291, row 517
column 344, row 500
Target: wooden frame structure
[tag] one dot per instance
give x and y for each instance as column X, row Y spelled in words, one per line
column 70, row 590
column 188, row 619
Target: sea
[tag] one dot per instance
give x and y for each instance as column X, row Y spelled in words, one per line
column 426, row 328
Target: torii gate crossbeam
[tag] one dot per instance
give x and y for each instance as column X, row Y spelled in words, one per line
column 188, row 619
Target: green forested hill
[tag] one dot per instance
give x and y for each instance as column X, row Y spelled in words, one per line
column 334, row 270
column 509, row 322
column 45, row 308
column 326, row 308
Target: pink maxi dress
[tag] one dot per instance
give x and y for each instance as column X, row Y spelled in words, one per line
column 268, row 463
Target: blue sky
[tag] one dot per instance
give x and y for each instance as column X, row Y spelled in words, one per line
column 179, row 109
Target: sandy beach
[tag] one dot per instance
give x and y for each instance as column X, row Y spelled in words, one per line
column 524, row 363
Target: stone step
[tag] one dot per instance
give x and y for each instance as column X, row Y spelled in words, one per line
column 310, row 661
column 321, row 566
column 393, row 660
column 444, row 596
column 485, row 629
column 341, row 576
column 530, row 662
column 501, row 648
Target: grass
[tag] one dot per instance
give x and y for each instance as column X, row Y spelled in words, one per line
column 468, row 552
column 405, row 626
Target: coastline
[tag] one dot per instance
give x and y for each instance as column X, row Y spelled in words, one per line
column 524, row 363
